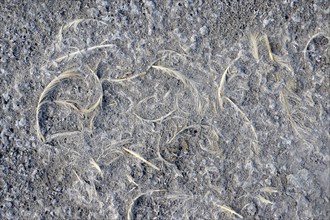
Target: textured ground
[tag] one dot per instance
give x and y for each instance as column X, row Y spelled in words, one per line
column 172, row 110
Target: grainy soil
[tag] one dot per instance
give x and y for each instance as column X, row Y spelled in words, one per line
column 164, row 109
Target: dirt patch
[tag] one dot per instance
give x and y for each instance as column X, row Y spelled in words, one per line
column 174, row 110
